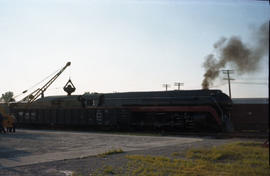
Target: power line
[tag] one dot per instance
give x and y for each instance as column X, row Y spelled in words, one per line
column 254, row 83
column 252, row 78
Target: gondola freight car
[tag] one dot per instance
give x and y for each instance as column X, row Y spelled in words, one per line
column 174, row 110
column 250, row 114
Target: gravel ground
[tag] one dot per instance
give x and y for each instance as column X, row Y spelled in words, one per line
column 38, row 144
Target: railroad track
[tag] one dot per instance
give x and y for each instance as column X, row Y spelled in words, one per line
column 216, row 135
column 256, row 135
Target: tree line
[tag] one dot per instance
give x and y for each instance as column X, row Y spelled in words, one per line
column 7, row 97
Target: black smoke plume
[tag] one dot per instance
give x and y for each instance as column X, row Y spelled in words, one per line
column 243, row 58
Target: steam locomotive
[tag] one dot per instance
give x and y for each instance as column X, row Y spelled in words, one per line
column 177, row 110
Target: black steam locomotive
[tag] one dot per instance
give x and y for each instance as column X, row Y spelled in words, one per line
column 173, row 110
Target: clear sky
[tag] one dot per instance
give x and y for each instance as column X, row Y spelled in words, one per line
column 123, row 45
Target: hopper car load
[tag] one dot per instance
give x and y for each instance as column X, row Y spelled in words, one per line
column 179, row 110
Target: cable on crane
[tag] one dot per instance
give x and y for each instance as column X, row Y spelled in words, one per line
column 37, row 83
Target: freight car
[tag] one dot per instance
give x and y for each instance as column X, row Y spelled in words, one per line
column 250, row 114
column 171, row 110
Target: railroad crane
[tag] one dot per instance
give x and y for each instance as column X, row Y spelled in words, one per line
column 69, row 87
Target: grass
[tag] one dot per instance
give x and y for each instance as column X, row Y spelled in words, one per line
column 76, row 174
column 108, row 170
column 236, row 159
column 176, row 154
column 111, row 152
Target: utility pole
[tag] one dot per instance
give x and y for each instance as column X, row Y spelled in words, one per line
column 166, row 86
column 178, row 84
column 228, row 72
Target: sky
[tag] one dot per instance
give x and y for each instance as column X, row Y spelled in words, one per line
column 124, row 45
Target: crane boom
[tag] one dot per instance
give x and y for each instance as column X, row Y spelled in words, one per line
column 40, row 91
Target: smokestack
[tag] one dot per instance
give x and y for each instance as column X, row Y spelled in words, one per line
column 234, row 51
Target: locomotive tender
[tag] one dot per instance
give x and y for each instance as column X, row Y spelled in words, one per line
column 177, row 110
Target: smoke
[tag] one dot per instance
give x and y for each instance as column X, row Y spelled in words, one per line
column 233, row 51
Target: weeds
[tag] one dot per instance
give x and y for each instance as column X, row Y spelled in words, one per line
column 75, row 174
column 236, row 159
column 111, row 152
column 175, row 154
column 108, row 170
